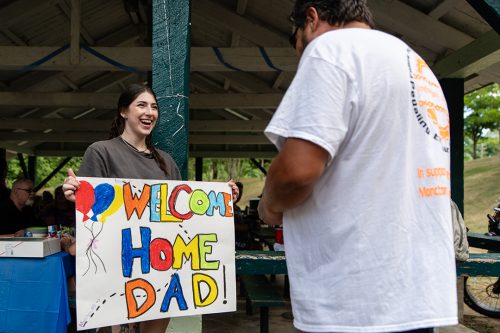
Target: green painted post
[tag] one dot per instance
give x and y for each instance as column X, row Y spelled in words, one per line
column 171, row 46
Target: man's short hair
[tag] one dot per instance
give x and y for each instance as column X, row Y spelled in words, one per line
column 21, row 182
column 333, row 11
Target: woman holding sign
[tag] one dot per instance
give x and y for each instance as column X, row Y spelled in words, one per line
column 129, row 153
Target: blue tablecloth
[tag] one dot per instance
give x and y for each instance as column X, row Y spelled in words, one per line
column 34, row 293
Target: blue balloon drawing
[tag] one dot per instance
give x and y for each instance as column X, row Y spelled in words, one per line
column 104, row 195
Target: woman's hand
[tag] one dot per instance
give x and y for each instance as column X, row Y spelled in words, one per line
column 68, row 244
column 70, row 185
column 234, row 189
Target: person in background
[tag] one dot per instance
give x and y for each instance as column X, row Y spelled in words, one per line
column 364, row 120
column 16, row 211
column 129, row 153
column 60, row 211
column 4, row 190
column 241, row 228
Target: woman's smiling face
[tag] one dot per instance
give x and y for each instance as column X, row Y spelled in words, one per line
column 141, row 115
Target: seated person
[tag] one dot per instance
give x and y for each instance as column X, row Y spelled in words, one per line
column 4, row 190
column 60, row 212
column 16, row 211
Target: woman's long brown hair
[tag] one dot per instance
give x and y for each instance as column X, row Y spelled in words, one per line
column 118, row 125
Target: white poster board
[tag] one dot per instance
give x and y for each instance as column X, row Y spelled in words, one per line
column 150, row 249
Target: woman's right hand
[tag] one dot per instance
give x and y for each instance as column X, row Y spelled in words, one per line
column 70, row 185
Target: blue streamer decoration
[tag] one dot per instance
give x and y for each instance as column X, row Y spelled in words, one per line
column 219, row 56
column 268, row 60
column 37, row 63
column 109, row 60
column 87, row 48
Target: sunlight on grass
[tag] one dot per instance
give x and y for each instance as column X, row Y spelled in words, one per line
column 481, row 191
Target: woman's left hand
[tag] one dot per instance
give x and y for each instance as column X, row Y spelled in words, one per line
column 234, row 189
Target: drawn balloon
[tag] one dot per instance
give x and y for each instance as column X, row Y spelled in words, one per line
column 84, row 199
column 103, row 197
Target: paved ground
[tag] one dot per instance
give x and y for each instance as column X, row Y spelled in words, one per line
column 280, row 321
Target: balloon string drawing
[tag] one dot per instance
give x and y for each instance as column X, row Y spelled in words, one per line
column 103, row 200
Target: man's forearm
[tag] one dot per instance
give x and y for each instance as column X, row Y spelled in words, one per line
column 291, row 177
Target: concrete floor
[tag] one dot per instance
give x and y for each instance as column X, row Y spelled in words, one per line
column 280, row 320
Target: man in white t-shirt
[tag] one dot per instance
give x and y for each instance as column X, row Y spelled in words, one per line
column 362, row 179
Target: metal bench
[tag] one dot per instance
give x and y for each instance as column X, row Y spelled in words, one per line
column 261, row 293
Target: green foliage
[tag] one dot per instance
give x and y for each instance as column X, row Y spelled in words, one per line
column 225, row 168
column 44, row 166
column 483, row 106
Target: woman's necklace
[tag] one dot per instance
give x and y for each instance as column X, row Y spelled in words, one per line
column 133, row 147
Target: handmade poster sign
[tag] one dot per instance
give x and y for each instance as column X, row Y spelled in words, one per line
column 152, row 249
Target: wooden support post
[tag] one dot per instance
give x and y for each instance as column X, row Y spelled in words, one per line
column 453, row 90
column 32, row 168
column 22, row 164
column 171, row 46
column 199, row 168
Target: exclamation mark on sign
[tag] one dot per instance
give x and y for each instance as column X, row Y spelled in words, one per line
column 224, row 272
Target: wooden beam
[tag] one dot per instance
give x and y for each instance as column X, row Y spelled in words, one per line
column 202, row 59
column 108, row 100
column 96, row 136
column 257, row 126
column 248, row 59
column 253, row 31
column 269, row 154
column 64, row 125
column 20, row 9
column 74, row 50
column 442, row 8
column 472, row 58
column 426, row 30
column 232, row 154
column 38, row 124
column 13, row 37
column 234, row 101
column 67, row 11
column 36, row 99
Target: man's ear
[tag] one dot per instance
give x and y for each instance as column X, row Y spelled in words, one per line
column 312, row 18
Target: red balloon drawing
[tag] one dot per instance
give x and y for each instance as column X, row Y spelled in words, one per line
column 84, row 199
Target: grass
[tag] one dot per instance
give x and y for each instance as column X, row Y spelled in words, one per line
column 252, row 188
column 481, row 191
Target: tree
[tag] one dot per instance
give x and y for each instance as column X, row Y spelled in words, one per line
column 483, row 108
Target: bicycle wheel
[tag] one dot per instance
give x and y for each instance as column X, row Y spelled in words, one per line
column 482, row 294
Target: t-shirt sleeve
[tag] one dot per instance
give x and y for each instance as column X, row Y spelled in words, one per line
column 93, row 164
column 173, row 170
column 316, row 106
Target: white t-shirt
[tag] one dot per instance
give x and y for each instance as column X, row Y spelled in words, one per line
column 371, row 250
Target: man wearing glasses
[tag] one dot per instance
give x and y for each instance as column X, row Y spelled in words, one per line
column 362, row 132
column 15, row 212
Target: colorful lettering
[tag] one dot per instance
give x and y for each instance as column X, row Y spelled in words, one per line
column 188, row 251
column 132, row 309
column 129, row 253
column 212, row 293
column 174, row 290
column 133, row 202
